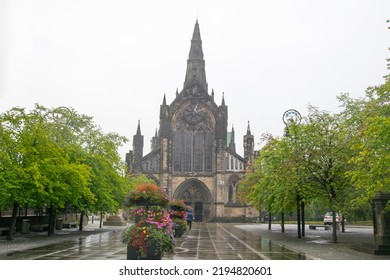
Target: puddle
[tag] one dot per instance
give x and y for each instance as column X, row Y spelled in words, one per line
column 320, row 242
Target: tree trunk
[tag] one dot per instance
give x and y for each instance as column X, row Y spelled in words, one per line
column 334, row 227
column 15, row 210
column 101, row 219
column 303, row 218
column 81, row 221
column 299, row 217
column 282, row 223
column 51, row 220
column 269, row 221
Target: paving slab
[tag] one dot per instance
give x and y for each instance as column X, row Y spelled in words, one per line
column 205, row 241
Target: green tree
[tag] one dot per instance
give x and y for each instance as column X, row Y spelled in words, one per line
column 35, row 168
column 309, row 165
column 371, row 144
column 87, row 144
column 58, row 158
column 274, row 181
column 108, row 183
column 325, row 153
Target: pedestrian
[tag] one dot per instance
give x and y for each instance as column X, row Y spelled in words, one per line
column 190, row 217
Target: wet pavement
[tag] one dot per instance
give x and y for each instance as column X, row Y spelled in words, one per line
column 205, row 241
column 212, row 241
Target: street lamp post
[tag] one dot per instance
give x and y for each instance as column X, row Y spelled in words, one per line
column 293, row 117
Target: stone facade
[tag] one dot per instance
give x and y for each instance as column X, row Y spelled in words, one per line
column 193, row 156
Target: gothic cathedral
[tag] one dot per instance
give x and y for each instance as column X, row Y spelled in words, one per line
column 193, row 156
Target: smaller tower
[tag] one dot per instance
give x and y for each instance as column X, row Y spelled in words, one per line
column 165, row 123
column 221, row 133
column 232, row 142
column 155, row 142
column 249, row 141
column 138, row 147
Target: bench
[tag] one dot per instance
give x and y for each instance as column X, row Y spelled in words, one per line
column 326, row 227
column 70, row 225
column 39, row 227
column 4, row 230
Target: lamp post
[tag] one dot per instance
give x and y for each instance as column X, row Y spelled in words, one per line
column 62, row 115
column 293, row 117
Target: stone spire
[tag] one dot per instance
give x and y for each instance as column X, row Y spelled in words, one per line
column 248, row 130
column 195, row 63
column 232, row 144
column 139, row 128
column 249, row 144
column 138, row 145
column 164, row 101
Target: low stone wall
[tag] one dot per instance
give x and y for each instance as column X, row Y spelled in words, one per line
column 237, row 214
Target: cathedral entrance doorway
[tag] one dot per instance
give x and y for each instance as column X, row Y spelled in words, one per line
column 197, row 195
column 198, row 213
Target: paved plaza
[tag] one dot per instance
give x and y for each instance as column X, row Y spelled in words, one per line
column 205, row 241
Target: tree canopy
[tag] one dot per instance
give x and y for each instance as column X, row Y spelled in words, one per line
column 58, row 158
column 339, row 160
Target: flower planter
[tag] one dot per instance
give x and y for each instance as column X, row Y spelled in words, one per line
column 151, row 236
column 141, row 202
column 147, row 195
column 179, row 232
column 177, row 208
column 152, row 252
column 132, row 253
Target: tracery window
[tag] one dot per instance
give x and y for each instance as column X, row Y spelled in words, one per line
column 187, row 150
column 176, row 149
column 198, row 153
column 232, row 191
column 208, row 151
column 192, row 150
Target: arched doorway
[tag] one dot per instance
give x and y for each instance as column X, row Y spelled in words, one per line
column 196, row 194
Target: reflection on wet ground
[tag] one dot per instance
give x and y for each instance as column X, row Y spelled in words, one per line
column 205, row 241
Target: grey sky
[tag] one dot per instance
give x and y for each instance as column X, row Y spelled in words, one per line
column 114, row 60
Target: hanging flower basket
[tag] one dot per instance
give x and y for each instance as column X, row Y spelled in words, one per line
column 177, row 205
column 147, row 195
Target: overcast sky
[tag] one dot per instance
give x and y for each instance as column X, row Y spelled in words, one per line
column 114, row 60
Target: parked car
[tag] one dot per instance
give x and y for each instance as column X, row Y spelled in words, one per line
column 328, row 218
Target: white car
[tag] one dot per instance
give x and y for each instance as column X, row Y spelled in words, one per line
column 328, row 218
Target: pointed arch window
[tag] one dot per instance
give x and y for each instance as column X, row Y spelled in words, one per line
column 208, row 151
column 198, row 151
column 177, row 151
column 232, row 191
column 193, row 150
column 187, row 151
